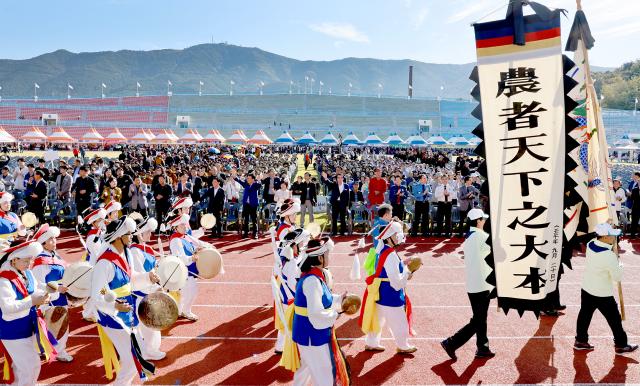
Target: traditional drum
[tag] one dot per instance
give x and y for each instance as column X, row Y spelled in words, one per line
column 208, row 221
column 351, row 304
column 172, row 273
column 314, row 229
column 414, row 264
column 209, row 263
column 29, row 220
column 57, row 319
column 77, row 279
column 158, row 311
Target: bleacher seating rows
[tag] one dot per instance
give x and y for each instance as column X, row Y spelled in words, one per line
column 150, row 101
column 76, row 101
column 7, row 112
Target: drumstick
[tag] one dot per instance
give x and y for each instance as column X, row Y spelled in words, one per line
column 78, row 278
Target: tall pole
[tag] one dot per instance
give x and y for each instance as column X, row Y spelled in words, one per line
column 35, row 92
column 137, row 89
column 410, row 95
column 290, row 87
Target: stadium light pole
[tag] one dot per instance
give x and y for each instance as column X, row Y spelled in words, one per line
column 312, row 82
column 103, row 87
column 290, row 87
column 69, row 88
column 169, row 84
column 35, row 91
column 260, row 86
column 379, row 90
column 138, row 89
column 349, row 91
column 200, row 89
column 306, row 79
column 320, row 88
column 231, row 83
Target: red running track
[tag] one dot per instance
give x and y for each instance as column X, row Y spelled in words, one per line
column 233, row 341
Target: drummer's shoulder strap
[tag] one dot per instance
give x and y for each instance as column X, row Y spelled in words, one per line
column 386, row 251
column 13, row 278
column 43, row 259
column 144, row 248
column 117, row 260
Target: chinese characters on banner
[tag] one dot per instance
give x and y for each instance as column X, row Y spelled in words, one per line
column 523, row 115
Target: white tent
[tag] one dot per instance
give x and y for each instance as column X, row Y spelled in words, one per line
column 5, row 137
column 142, row 137
column 394, row 139
column 458, row 141
column 34, row 135
column 213, row 136
column 373, row 139
column 285, row 138
column 237, row 138
column 164, row 137
column 191, row 136
column 260, row 138
column 92, row 136
column 306, row 139
column 437, row 140
column 351, row 139
column 59, row 135
column 329, row 139
column 115, row 136
column 417, row 140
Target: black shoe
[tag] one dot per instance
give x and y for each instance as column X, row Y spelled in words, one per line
column 485, row 353
column 277, row 352
column 446, row 345
column 561, row 307
column 582, row 346
column 626, row 349
column 552, row 313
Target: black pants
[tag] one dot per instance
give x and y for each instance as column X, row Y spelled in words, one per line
column 462, row 225
column 421, row 216
column 608, row 308
column 81, row 206
column 217, row 229
column 477, row 325
column 37, row 207
column 635, row 217
column 398, row 211
column 249, row 213
column 161, row 213
column 338, row 211
column 443, row 215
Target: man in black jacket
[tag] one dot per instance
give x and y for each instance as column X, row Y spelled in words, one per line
column 340, row 196
column 216, row 205
column 82, row 189
column 270, row 184
column 162, row 193
column 308, row 198
column 37, row 200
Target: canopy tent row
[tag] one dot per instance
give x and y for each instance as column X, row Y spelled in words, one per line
column 5, row 137
column 237, row 138
column 417, row 140
column 285, row 138
column 329, row 139
column 213, row 136
column 351, row 139
column 115, row 137
column 394, row 139
column 34, row 135
column 143, row 137
column 92, row 136
column 306, row 139
column 373, row 139
column 59, row 135
column 191, row 136
column 260, row 138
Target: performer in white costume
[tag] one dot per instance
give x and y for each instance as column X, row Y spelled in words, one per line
column 23, row 335
column 111, row 291
column 48, row 269
column 10, row 225
column 144, row 260
column 112, row 210
column 96, row 219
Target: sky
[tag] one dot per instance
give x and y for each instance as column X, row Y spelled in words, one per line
column 435, row 31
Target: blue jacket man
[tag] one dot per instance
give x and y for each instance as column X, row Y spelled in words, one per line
column 249, row 203
column 340, row 198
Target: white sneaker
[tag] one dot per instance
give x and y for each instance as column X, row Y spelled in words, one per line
column 190, row 316
column 155, row 356
column 63, row 356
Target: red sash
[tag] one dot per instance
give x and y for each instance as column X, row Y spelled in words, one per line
column 15, row 280
column 117, row 260
column 93, row 231
column 281, row 228
column 145, row 248
column 45, row 259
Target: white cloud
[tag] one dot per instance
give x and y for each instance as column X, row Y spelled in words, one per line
column 418, row 18
column 342, row 31
column 620, row 30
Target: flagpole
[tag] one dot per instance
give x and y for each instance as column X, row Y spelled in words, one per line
column 591, row 93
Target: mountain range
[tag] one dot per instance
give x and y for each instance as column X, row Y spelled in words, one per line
column 217, row 66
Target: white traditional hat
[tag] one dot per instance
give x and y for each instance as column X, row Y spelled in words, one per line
column 605, row 229
column 30, row 248
column 394, row 227
column 113, row 206
column 149, row 224
column 296, row 236
column 179, row 220
column 476, row 213
column 98, row 214
column 5, row 197
column 289, row 207
column 318, row 247
column 119, row 228
column 184, row 202
column 45, row 232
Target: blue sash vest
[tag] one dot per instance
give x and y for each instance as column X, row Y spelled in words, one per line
column 303, row 331
column 24, row 327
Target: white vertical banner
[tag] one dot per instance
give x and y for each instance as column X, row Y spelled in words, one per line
column 523, row 115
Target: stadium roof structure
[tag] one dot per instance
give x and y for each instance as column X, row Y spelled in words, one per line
column 394, row 139
column 417, row 140
column 191, row 136
column 237, row 138
column 59, row 135
column 306, row 139
column 329, row 139
column 92, row 136
column 351, row 139
column 285, row 138
column 260, row 138
column 115, row 136
column 34, row 135
column 373, row 139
